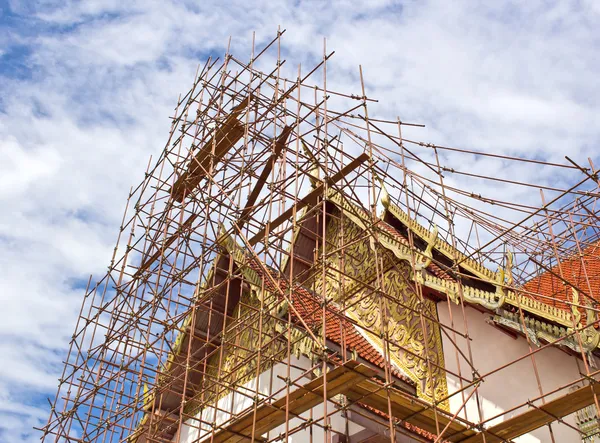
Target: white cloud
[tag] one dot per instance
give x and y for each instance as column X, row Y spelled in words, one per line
column 105, row 75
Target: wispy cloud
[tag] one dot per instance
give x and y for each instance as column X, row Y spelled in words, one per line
column 86, row 90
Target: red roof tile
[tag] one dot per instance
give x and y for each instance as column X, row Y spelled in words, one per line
column 547, row 287
column 410, row 427
column 577, row 271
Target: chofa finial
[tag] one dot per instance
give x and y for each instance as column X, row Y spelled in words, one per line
column 384, row 197
column 314, row 173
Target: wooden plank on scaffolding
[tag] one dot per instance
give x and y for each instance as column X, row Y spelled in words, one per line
column 262, row 179
column 300, row 400
column 407, row 408
column 156, row 425
column 539, row 416
column 225, row 136
column 310, row 198
column 146, row 263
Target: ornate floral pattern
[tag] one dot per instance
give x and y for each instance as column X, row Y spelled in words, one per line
column 239, row 353
column 412, row 338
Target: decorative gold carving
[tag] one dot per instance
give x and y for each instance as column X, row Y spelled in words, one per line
column 590, row 337
column 401, row 325
column 536, row 330
column 574, row 307
column 540, row 309
column 410, row 346
column 445, row 248
column 314, row 173
column 385, row 196
column 490, row 300
column 586, row 420
column 503, row 277
column 239, row 358
column 428, row 253
column 509, row 268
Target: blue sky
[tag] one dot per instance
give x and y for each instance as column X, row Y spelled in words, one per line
column 86, row 89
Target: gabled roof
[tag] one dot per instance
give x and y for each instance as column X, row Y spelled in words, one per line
column 434, row 262
column 307, row 310
column 548, row 319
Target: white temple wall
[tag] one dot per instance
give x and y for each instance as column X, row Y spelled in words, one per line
column 194, row 430
column 514, row 385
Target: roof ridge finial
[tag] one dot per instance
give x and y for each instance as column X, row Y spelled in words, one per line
column 575, row 307
column 223, row 237
column 384, row 196
column 509, row 267
column 314, row 173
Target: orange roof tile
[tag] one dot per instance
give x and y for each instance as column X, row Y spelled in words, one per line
column 408, row 426
column 577, row 271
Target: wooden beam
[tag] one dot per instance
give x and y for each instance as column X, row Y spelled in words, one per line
column 408, row 408
column 310, row 198
column 163, row 427
column 537, row 417
column 223, row 139
column 371, row 423
column 262, row 179
column 146, row 263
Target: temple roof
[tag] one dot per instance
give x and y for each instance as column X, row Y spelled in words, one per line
column 580, row 271
column 307, row 310
column 544, row 299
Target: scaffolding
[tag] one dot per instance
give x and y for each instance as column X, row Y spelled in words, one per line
column 233, row 258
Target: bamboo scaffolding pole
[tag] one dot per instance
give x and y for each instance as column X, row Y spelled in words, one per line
column 228, row 239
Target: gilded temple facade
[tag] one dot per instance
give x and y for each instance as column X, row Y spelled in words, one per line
column 379, row 316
